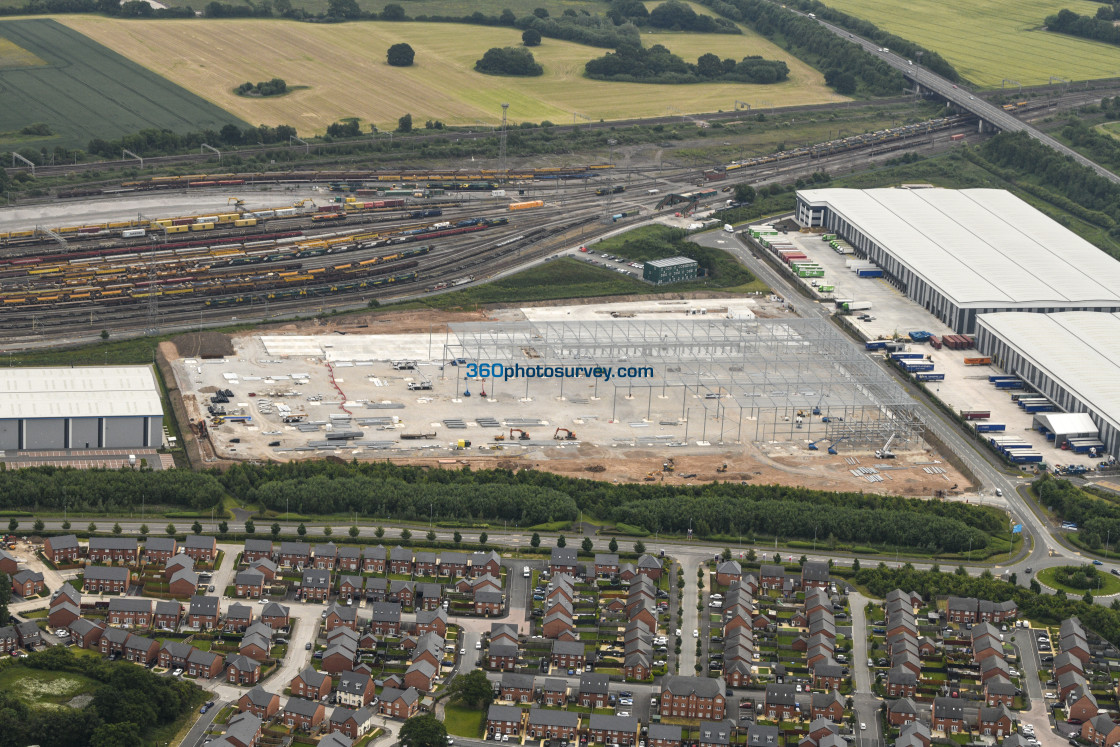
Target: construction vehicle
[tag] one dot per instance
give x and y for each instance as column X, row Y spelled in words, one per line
column 238, row 204
column 650, row 477
column 832, row 447
column 568, row 435
column 461, row 444
column 668, row 466
column 500, row 437
column 722, row 468
column 885, row 452
column 523, row 436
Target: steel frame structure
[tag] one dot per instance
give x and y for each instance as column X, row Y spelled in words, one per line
column 766, row 374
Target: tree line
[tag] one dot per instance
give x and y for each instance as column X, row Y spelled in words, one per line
column 508, row 61
column 1097, row 518
column 128, row 701
column 1032, row 603
column 673, row 15
column 531, row 497
column 274, row 87
column 847, row 67
column 658, row 65
column 153, row 142
column 1098, row 27
column 58, row 488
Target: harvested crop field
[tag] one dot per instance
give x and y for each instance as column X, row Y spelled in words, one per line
column 83, row 90
column 990, row 40
column 344, row 67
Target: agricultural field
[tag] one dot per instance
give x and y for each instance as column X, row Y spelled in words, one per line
column 1007, row 40
column 344, row 69
column 43, row 688
column 82, row 90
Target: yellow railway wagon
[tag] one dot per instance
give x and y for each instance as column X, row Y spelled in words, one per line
column 13, row 301
column 228, row 217
column 526, row 205
column 177, row 229
column 21, row 234
column 201, row 227
column 297, row 278
column 162, row 222
column 44, row 271
column 46, row 299
column 388, row 177
column 68, row 229
column 601, row 166
column 121, row 224
column 245, row 222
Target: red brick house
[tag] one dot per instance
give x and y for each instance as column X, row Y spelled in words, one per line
column 995, row 722
column 999, row 690
column 27, row 583
column 130, row 611
column 948, row 716
column 106, row 580
column 563, row 560
column 693, row 697
column 256, row 549
column 62, row 614
column 158, row 550
column 453, row 564
column 140, row 650
column 548, row 724
column 62, row 550
column 275, row 615
column 399, row 704
column 350, row 559
column 400, row 560
column 420, row 675
column 325, row 556
column 8, row 563
column 375, row 559
column 294, row 554
column 203, row 613
column 303, row 714
column 112, row 641
column 503, row 719
column 606, row 564
column 649, row 566
column 901, row 712
column 201, row 549
column 183, row 584
column 311, row 684
column 487, row 563
column 517, row 688
column 502, row 656
column 828, row 705
column 1101, row 731
column 241, row 670
column 260, row 703
column 86, row 634
column 424, row 563
column 780, row 703
column 204, row 664
column 610, row 729
column 167, row 615
column 568, row 655
column 432, row 621
column 249, row 583
column 107, row 550
column 728, row 572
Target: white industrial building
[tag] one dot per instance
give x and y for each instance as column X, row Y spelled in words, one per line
column 962, row 253
column 1072, row 358
column 79, row 408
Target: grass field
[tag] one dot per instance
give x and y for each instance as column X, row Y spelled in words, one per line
column 462, row 721
column 1006, row 39
column 1108, row 584
column 42, row 688
column 345, row 69
column 84, row 90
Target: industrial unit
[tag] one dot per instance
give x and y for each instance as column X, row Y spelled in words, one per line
column 962, row 253
column 79, row 408
column 1073, row 358
column 671, row 270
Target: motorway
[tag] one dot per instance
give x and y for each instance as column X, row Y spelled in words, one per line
column 966, row 101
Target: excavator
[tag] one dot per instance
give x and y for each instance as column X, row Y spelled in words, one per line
column 568, row 435
column 523, row 435
column 669, row 465
column 722, row 468
column 238, row 204
column 500, row 437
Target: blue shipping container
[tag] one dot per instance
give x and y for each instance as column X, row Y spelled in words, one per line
column 876, row 345
column 930, row 377
column 990, row 427
column 907, row 356
column 869, row 273
column 916, row 366
column 1009, row 385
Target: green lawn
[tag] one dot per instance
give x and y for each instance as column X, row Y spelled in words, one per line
column 1006, row 39
column 1108, row 584
column 83, row 90
column 462, row 721
column 38, row 687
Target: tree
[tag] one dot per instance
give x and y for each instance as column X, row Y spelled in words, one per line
column 404, row 124
column 104, row 334
column 117, row 528
column 301, row 530
column 393, row 12
column 354, row 530
column 124, row 734
column 196, row 527
column 275, row 529
column 802, row 560
column 91, row 527
column 379, row 532
column 5, row 597
column 587, row 544
column 561, row 542
column 328, row 530
column 38, row 526
column 778, row 558
column 855, row 565
column 535, row 540
column 507, row 18
column 223, row 527
column 343, row 9
column 13, row 524
column 472, row 690
column 401, row 55
column 613, row 546
column 66, row 524
column 170, row 530
column 1035, row 586
column 709, row 66
column 431, row 535
column 483, row 539
column 406, row 535
column 531, row 38
column 424, row 731
column 144, row 530
column 751, row 555
column 457, row 537
column 540, row 12
column 250, row 527
column 639, row 547
column 726, row 554
column 1088, row 598
column 517, row 61
column 744, row 192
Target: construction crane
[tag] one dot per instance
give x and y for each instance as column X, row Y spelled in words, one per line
column 523, row 436
column 568, row 435
column 885, row 452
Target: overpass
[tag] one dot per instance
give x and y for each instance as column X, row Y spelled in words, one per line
column 987, row 113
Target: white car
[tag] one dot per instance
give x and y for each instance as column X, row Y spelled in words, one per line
column 478, row 646
column 696, row 634
column 462, row 652
column 862, row 726
column 678, row 632
column 62, row 633
column 178, row 671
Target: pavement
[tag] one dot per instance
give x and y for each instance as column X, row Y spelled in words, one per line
column 867, row 704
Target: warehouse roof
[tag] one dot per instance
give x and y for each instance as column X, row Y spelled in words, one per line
column 671, row 262
column 1067, row 423
column 115, row 391
column 1079, row 349
column 979, row 247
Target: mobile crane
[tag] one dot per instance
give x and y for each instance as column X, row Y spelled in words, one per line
column 568, row 435
column 523, row 435
column 885, row 452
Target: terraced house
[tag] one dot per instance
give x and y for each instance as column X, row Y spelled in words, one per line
column 114, row 550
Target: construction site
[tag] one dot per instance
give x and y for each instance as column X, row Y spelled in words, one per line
column 654, row 391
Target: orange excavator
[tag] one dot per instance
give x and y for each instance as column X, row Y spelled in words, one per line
column 568, row 435
column 523, row 435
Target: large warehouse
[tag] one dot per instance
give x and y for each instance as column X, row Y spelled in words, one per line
column 1072, row 357
column 962, row 253
column 79, row 408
